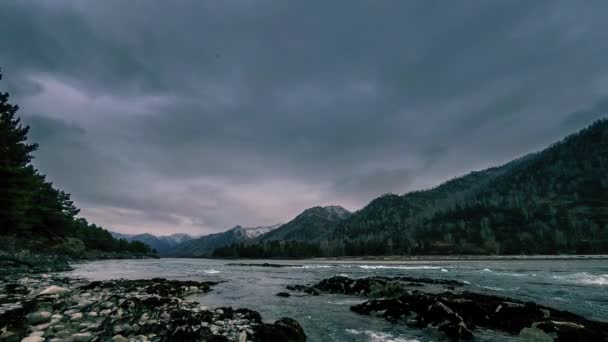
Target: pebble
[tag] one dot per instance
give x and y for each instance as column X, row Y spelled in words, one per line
column 54, row 290
column 119, row 338
column 82, row 337
column 76, row 317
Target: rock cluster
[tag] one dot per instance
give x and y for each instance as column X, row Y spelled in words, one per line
column 46, row 308
column 458, row 314
column 25, row 262
column 368, row 286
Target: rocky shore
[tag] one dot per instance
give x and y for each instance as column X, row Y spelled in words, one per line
column 43, row 307
column 456, row 314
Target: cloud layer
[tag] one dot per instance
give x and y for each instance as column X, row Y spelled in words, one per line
column 196, row 116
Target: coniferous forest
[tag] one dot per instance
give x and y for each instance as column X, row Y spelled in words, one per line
column 34, row 214
column 551, row 202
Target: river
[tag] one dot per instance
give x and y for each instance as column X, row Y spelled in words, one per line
column 579, row 286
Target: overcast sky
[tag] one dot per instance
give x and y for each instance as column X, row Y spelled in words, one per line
column 195, row 116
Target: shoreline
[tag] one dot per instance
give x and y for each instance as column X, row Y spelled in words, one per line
column 466, row 258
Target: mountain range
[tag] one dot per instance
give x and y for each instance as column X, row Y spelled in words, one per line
column 548, row 202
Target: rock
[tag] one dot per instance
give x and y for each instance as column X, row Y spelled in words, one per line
column 39, row 317
column 534, row 335
column 37, row 333
column 63, row 334
column 283, row 294
column 33, row 339
column 455, row 314
column 119, row 338
column 42, row 326
column 82, row 337
column 283, row 330
column 54, row 290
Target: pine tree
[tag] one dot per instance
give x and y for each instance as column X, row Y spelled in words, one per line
column 16, row 175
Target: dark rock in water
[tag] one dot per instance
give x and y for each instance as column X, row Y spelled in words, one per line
column 283, row 294
column 456, row 314
column 261, row 265
column 303, row 288
column 372, row 286
column 448, row 282
column 122, row 310
column 285, row 329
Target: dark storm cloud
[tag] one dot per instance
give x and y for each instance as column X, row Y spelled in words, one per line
column 200, row 115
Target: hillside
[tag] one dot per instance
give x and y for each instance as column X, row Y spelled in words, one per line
column 205, row 245
column 553, row 201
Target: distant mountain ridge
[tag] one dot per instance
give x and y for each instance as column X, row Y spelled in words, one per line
column 162, row 244
column 205, row 245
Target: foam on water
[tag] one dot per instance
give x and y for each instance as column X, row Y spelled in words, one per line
column 212, row 271
column 584, row 278
column 378, row 336
column 398, row 267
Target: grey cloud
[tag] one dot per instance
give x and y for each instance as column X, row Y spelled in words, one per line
column 200, row 115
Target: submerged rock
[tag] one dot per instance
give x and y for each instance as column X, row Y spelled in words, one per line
column 283, row 294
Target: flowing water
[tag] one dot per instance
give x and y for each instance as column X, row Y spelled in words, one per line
column 575, row 285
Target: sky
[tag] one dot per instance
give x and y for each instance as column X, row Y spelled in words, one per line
column 195, row 116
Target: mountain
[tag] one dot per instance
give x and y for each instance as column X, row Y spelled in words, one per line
column 553, row 201
column 312, row 224
column 205, row 245
column 162, row 244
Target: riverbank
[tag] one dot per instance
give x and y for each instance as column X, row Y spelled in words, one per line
column 27, row 262
column 49, row 307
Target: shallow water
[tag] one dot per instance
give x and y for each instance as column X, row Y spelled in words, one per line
column 579, row 286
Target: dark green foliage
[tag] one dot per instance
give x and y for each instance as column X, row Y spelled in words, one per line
column 34, row 212
column 551, row 202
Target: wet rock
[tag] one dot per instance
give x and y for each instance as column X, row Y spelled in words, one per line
column 283, row 294
column 303, row 288
column 367, row 286
column 283, row 330
column 457, row 314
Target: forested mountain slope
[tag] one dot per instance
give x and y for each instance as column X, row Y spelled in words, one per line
column 554, row 201
column 312, row 224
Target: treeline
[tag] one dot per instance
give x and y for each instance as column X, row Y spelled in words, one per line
column 33, row 213
column 269, row 249
column 551, row 202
